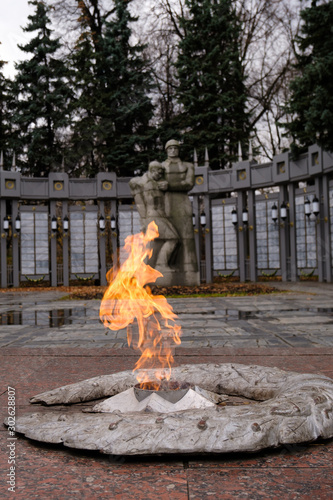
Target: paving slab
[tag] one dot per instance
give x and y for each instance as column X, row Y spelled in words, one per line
column 294, row 471
column 63, row 342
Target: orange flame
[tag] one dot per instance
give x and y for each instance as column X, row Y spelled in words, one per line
column 150, row 320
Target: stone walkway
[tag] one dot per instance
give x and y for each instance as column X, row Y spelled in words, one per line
column 303, row 317
column 46, row 343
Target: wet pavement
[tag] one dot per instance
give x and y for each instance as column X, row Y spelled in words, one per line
column 302, row 317
column 46, row 342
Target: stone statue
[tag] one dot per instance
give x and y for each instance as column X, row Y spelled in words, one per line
column 180, row 178
column 148, row 191
column 162, row 195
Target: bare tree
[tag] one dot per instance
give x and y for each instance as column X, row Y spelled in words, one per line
column 159, row 29
column 70, row 15
column 267, row 52
column 267, row 45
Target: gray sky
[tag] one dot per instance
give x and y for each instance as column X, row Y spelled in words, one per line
column 14, row 16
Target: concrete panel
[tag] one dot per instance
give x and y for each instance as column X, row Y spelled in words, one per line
column 299, row 168
column 58, row 186
column 83, row 189
column 123, row 189
column 280, row 169
column 241, row 177
column 315, row 159
column 10, row 184
column 106, row 185
column 34, row 188
column 200, row 180
column 261, row 175
column 327, row 161
column 219, row 180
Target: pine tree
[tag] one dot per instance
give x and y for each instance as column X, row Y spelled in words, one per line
column 6, row 143
column 127, row 83
column 113, row 97
column 211, row 81
column 311, row 102
column 84, row 156
column 42, row 96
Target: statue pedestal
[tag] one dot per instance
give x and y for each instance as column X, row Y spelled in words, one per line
column 182, row 278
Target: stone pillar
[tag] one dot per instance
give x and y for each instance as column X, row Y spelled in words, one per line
column 53, row 244
column 15, row 246
column 242, row 253
column 196, row 212
column 102, row 248
column 292, row 233
column 65, row 247
column 326, row 229
column 284, row 236
column 320, row 233
column 252, row 235
column 208, row 240
column 114, row 235
column 3, row 245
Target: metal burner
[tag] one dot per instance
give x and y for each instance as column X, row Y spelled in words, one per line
column 171, row 395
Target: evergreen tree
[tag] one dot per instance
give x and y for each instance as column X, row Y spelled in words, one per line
column 84, row 156
column 311, row 102
column 42, row 96
column 5, row 123
column 128, row 138
column 211, row 81
column 113, row 97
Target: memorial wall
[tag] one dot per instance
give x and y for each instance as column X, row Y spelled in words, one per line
column 59, row 230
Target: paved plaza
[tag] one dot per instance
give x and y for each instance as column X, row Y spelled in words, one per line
column 47, row 341
column 301, row 317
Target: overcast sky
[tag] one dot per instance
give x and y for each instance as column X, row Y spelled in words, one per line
column 13, row 16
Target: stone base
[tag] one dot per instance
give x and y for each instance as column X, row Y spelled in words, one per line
column 174, row 278
column 294, row 408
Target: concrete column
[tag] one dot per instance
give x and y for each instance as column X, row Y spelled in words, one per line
column 284, row 239
column 196, row 212
column 15, row 246
column 292, row 233
column 252, row 235
column 102, row 248
column 114, row 235
column 320, row 233
column 53, row 245
column 65, row 247
column 326, row 229
column 3, row 245
column 241, row 203
column 208, row 240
